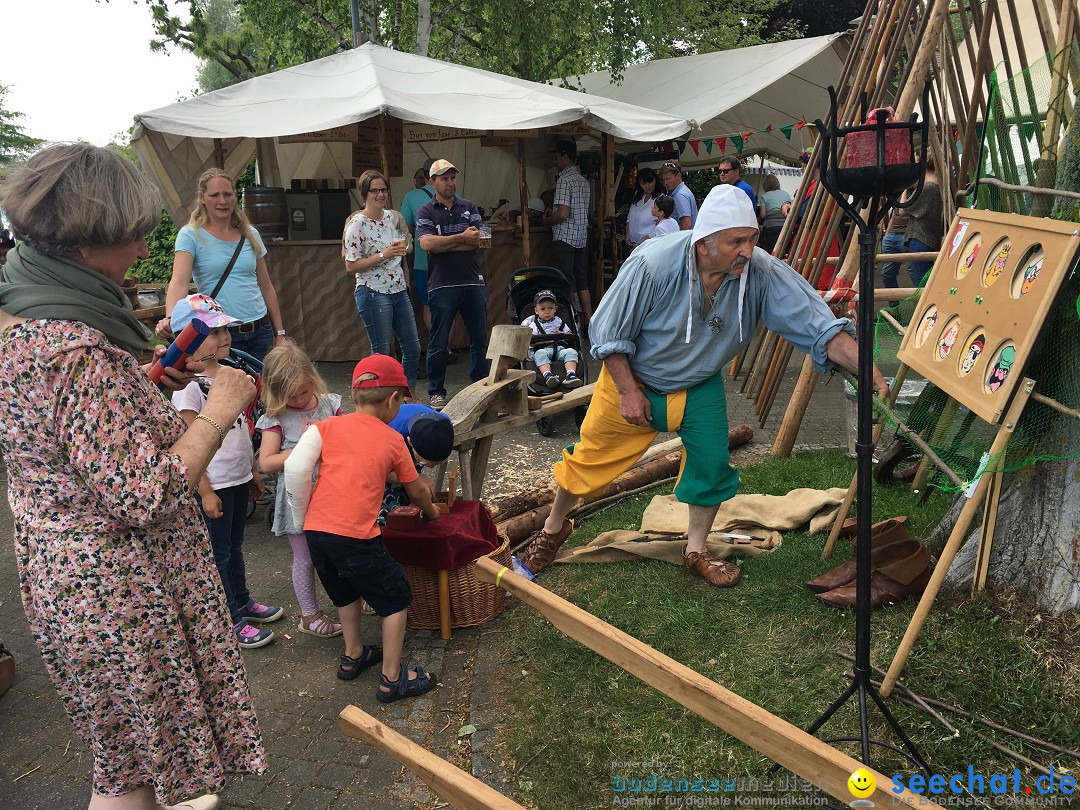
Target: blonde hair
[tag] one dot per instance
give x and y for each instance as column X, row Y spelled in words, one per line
column 286, row 369
column 239, row 220
column 73, row 195
column 376, row 396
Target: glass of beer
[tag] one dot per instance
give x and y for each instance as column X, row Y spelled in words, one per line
column 485, row 236
column 398, row 243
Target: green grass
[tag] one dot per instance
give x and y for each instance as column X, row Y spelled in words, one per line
column 571, row 714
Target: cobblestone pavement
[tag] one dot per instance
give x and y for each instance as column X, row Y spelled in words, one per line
column 43, row 766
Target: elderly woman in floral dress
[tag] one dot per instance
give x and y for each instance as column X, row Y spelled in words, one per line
column 116, row 574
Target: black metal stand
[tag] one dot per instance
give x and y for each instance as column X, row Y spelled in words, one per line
column 867, row 186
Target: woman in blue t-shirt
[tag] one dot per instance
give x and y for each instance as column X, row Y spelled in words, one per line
column 204, row 248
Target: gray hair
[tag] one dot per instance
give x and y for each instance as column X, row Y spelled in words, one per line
column 78, row 195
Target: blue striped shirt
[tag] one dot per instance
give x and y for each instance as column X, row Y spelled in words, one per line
column 453, row 268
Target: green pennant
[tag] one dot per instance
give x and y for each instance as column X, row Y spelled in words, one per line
column 680, row 145
column 1028, row 128
column 708, row 145
column 738, row 141
column 787, row 130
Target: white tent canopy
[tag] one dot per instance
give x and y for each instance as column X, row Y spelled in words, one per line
column 177, row 142
column 741, row 90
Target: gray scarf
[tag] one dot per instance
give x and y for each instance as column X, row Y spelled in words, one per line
column 38, row 286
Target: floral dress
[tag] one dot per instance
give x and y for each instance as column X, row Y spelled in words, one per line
column 364, row 237
column 115, row 569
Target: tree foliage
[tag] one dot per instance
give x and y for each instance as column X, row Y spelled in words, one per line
column 531, row 39
column 15, row 144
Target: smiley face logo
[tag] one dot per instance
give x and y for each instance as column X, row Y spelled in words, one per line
column 861, row 783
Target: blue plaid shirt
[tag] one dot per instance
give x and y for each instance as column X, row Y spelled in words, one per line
column 572, row 190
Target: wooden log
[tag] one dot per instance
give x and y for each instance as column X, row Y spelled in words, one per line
column 788, row 746
column 462, row 790
column 507, row 346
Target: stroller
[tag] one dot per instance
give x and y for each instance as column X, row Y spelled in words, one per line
column 524, row 285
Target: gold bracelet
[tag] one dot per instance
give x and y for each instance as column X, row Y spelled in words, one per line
column 221, row 433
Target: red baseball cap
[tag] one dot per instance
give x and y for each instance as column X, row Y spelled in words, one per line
column 387, row 372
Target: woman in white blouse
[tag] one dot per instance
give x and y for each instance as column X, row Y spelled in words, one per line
column 374, row 241
column 640, row 221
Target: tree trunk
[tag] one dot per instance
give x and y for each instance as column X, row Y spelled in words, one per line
column 423, row 27
column 1036, row 547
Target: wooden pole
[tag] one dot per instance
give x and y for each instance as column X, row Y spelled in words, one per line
column 462, row 790
column 523, row 196
column 957, row 536
column 788, row 746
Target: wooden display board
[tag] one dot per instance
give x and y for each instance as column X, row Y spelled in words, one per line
column 981, row 312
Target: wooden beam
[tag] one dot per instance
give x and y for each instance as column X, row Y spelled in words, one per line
column 788, row 746
column 462, row 790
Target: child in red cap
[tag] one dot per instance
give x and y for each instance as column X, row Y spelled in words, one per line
column 355, row 453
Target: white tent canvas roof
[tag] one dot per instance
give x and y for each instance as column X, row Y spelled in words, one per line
column 177, row 142
column 741, row 90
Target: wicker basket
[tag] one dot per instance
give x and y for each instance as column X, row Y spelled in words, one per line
column 472, row 602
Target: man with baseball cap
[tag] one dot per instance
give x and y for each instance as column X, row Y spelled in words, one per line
column 411, row 203
column 680, row 309
column 447, row 227
column 568, row 218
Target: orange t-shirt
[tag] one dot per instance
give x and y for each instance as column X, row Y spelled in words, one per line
column 358, row 452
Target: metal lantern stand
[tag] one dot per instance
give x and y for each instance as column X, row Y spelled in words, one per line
column 872, row 190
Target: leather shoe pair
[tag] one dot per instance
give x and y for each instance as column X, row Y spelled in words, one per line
column 898, row 570
column 882, row 534
column 544, row 546
column 892, row 525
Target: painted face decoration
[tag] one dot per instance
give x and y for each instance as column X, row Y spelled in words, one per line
column 1001, row 368
column 957, row 237
column 993, row 272
column 948, row 339
column 1031, row 272
column 970, row 260
column 927, row 326
column 974, row 349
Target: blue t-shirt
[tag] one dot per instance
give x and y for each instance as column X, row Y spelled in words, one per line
column 411, row 203
column 241, row 297
column 749, row 191
column 685, row 204
column 453, row 268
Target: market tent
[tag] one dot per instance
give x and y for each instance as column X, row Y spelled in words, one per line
column 179, row 141
column 730, row 93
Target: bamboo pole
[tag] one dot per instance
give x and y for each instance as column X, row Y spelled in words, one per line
column 957, row 536
column 788, row 746
column 462, row 790
column 523, row 197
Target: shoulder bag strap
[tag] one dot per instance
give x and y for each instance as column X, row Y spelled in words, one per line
column 225, row 275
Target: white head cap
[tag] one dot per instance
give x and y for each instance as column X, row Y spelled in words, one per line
column 726, row 207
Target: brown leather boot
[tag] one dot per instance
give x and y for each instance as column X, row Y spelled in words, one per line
column 544, row 546
column 882, row 534
column 898, row 570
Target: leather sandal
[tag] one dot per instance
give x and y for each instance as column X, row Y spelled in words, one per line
column 319, row 624
column 884, row 590
column 349, row 668
column 544, row 546
column 717, row 572
column 404, row 686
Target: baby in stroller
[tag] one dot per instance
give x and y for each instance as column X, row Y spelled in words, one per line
column 546, row 347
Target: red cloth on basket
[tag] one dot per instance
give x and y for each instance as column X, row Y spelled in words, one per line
column 465, row 534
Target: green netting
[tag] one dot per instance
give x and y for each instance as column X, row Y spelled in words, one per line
column 1012, row 151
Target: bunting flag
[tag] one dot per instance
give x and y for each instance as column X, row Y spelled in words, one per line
column 1028, row 128
column 787, row 130
column 738, row 141
column 722, row 143
column 746, row 136
column 680, row 145
column 768, row 129
column 694, row 144
column 800, row 124
column 708, row 146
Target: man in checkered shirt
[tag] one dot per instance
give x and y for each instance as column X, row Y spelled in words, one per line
column 569, row 221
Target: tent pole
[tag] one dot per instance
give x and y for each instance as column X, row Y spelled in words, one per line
column 523, row 196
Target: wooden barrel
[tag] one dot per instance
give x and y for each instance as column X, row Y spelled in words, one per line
column 265, row 207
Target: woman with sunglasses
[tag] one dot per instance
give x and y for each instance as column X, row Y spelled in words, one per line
column 373, row 244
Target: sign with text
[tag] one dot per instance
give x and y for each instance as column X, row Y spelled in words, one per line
column 347, row 133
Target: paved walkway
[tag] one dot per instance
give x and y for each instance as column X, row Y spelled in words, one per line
column 43, row 766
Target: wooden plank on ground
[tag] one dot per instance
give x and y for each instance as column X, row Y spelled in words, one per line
column 788, row 746
column 462, row 790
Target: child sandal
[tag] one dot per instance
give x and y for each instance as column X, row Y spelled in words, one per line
column 349, row 668
column 405, row 687
column 319, row 624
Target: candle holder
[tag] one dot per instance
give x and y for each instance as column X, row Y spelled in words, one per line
column 880, row 166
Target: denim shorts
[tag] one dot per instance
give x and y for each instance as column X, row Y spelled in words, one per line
column 350, row 569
